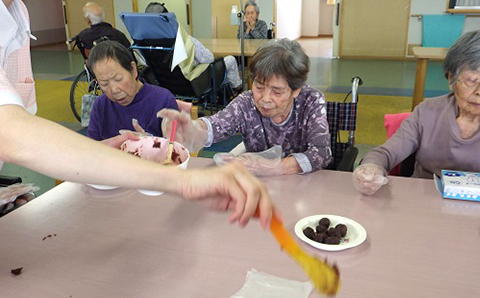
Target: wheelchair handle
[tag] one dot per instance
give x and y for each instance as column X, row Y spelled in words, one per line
column 357, row 81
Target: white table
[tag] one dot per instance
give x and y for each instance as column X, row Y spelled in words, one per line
column 120, row 243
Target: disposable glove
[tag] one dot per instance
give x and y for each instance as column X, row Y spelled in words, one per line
column 368, row 178
column 139, row 131
column 265, row 163
column 189, row 133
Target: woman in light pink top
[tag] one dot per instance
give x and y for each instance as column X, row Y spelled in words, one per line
column 442, row 132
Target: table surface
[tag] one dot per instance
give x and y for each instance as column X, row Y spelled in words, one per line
column 231, row 46
column 430, row 53
column 119, row 243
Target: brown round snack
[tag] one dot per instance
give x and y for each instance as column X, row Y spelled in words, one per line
column 332, row 240
column 322, row 237
column 324, row 222
column 342, row 228
column 332, row 232
column 321, row 229
column 309, row 232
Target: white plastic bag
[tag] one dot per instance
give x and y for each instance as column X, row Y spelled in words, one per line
column 12, row 192
column 263, row 285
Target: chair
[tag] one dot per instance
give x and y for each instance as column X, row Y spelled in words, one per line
column 342, row 116
column 407, row 166
column 154, row 35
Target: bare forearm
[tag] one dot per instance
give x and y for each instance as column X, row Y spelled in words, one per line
column 53, row 150
column 290, row 166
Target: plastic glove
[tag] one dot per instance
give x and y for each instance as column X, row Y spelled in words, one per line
column 139, row 131
column 265, row 163
column 368, row 178
column 189, row 132
column 10, row 193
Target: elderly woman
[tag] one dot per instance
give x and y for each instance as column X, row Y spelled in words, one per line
column 442, row 131
column 253, row 28
column 279, row 111
column 125, row 96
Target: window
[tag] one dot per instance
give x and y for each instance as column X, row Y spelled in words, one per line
column 463, row 6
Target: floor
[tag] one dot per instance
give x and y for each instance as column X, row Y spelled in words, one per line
column 387, row 78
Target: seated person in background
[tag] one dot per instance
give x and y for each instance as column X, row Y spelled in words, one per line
column 280, row 110
column 443, row 132
column 201, row 53
column 67, row 155
column 253, row 28
column 94, row 15
column 125, row 96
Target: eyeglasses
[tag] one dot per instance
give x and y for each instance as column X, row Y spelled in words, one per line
column 469, row 84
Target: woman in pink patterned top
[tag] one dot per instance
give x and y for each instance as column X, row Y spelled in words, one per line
column 279, row 111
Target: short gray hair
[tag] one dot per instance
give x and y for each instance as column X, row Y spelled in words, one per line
column 283, row 58
column 94, row 12
column 463, row 55
column 254, row 4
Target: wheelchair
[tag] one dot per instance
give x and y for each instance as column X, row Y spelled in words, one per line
column 154, row 37
column 84, row 83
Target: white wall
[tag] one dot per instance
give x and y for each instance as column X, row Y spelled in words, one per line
column 119, row 6
column 325, row 22
column 202, row 18
column 289, row 19
column 432, row 7
column 310, row 17
column 266, row 10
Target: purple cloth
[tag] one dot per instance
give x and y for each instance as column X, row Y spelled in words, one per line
column 432, row 132
column 108, row 117
column 304, row 133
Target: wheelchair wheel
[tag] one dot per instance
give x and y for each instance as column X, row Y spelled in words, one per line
column 81, row 86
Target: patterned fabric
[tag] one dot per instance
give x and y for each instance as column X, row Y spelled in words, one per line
column 259, row 32
column 203, row 55
column 341, row 116
column 19, row 70
column 305, row 132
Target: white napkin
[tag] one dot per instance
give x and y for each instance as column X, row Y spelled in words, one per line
column 263, row 285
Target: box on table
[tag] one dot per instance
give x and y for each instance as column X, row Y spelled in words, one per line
column 459, row 185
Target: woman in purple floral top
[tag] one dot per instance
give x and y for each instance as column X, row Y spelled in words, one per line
column 280, row 110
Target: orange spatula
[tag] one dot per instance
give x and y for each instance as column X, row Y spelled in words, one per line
column 325, row 278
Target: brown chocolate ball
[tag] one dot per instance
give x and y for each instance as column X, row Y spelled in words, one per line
column 333, row 240
column 310, row 233
column 321, row 237
column 321, row 229
column 324, row 222
column 342, row 228
column 332, row 232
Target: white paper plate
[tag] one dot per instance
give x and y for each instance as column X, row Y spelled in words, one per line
column 356, row 234
column 103, row 187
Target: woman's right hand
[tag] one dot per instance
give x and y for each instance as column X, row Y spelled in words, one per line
column 368, row 178
column 189, row 132
column 229, row 187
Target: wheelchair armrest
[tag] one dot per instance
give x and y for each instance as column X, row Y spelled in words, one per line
column 348, row 159
column 9, row 180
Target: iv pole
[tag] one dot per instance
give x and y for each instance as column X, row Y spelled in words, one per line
column 242, row 44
